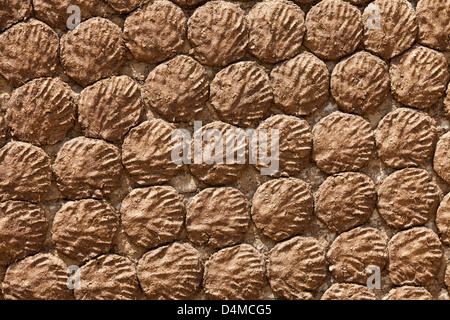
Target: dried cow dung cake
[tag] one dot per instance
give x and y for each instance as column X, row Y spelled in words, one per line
column 282, row 208
column 235, row 273
column 360, row 83
column 84, row 229
column 188, row 3
column 333, row 29
column 39, row 277
column 2, row 130
column 447, row 277
column 177, row 89
column 352, row 252
column 23, row 228
column 300, row 85
column 441, row 162
column 241, row 93
column 390, row 27
column 348, row 291
column 443, row 220
column 408, row 293
column 109, row 277
column 218, row 217
column 434, row 23
column 25, row 172
column 13, row 11
column 153, row 216
column 110, row 107
column 217, row 32
column 41, row 112
column 172, row 272
column 405, row 138
column 342, row 142
column 28, row 50
column 276, row 30
column 155, row 32
column 296, row 266
column 87, row 168
column 419, row 77
column 125, row 6
column 92, row 51
column 447, row 103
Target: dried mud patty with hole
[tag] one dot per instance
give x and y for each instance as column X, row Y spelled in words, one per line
column 393, row 31
column 405, row 138
column 124, row 6
column 153, row 216
column 87, row 168
column 419, row 77
column 345, row 200
column 41, row 112
column 241, row 93
column 2, row 130
column 172, row 272
column 342, row 142
column 360, row 83
column 155, row 32
column 441, row 162
column 276, row 30
column 218, row 34
column 177, row 89
column 415, row 257
column 408, row 293
column 282, row 208
column 28, row 50
column 218, row 217
column 348, row 291
column 25, row 172
column 92, row 51
column 333, row 29
column 352, row 252
column 235, row 273
column 110, row 107
column 295, row 266
column 443, row 219
column 84, row 229
column 23, row 229
column 13, row 11
column 434, row 23
column 39, row 277
column 109, row 277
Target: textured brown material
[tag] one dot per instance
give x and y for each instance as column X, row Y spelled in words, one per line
column 235, row 273
column 282, row 208
column 125, row 6
column 188, row 3
column 109, row 108
column 276, row 30
column 2, row 130
column 172, row 272
column 153, row 216
column 345, row 200
column 447, row 103
column 342, row 142
column 84, row 229
column 434, row 23
column 41, row 112
column 358, row 2
column 218, row 217
column 443, row 220
column 300, row 85
column 217, row 32
column 296, row 266
column 415, row 257
column 361, row 83
column 13, row 11
column 405, row 138
column 447, row 277
column 408, row 293
column 109, row 277
column 28, row 50
column 348, row 291
column 86, row 167
column 92, row 51
column 441, row 160
column 155, row 32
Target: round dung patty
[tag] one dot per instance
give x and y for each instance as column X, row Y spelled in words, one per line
column 276, row 30
column 348, row 291
column 441, row 162
column 155, row 32
column 13, row 11
column 434, row 23
column 360, row 83
column 110, row 107
column 241, row 93
column 28, row 50
column 443, row 219
column 218, row 34
column 333, row 29
column 87, row 168
column 124, row 6
column 2, row 130
column 342, row 142
column 153, row 216
column 419, row 77
column 218, row 217
column 92, row 51
column 447, row 103
column 41, row 112
column 282, row 208
column 82, row 230
column 172, row 272
column 235, row 273
column 408, row 293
